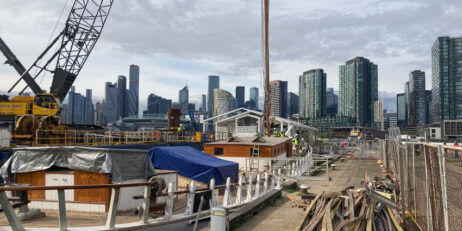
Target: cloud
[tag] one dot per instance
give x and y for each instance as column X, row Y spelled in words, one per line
column 183, row 41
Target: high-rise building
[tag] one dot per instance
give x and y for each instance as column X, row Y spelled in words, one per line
column 278, row 98
column 158, row 105
column 89, row 108
column 428, row 108
column 447, row 79
column 378, row 114
column 401, row 110
column 293, row 104
column 79, row 109
column 110, row 103
column 240, row 96
column 223, row 102
column 122, row 99
column 204, row 104
column 133, row 92
column 183, row 100
column 254, row 102
column 358, row 90
column 99, row 114
column 214, row 83
column 331, row 102
column 416, row 101
column 312, row 92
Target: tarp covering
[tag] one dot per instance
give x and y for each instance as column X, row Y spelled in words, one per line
column 122, row 164
column 193, row 164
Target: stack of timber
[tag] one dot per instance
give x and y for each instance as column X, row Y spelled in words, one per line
column 352, row 209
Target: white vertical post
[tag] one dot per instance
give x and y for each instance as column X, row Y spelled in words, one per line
column 279, row 172
column 239, row 192
column 169, row 203
column 62, row 210
column 146, row 204
column 278, row 184
column 212, row 188
column 9, row 213
column 190, row 205
column 293, row 168
column 257, row 191
column 272, row 182
column 226, row 196
column 265, row 185
column 111, row 217
column 249, row 189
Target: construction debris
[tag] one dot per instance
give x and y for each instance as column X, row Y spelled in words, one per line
column 352, row 209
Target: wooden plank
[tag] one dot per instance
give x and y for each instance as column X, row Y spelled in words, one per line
column 36, row 178
column 251, row 207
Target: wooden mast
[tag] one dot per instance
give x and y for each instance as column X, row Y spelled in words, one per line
column 267, row 106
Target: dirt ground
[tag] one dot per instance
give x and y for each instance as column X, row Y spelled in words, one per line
column 281, row 216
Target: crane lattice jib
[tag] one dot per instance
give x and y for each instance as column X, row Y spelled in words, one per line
column 83, row 28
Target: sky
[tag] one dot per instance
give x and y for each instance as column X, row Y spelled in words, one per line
column 179, row 42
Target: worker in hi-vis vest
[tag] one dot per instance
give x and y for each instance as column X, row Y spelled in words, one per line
column 296, row 140
column 275, row 132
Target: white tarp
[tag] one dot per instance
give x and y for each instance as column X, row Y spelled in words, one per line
column 122, row 164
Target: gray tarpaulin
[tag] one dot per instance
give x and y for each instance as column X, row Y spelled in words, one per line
column 122, row 164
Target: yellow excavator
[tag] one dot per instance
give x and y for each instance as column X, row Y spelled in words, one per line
column 39, row 113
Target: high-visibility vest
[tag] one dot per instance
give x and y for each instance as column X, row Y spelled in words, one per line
column 275, row 133
column 282, row 134
column 296, row 141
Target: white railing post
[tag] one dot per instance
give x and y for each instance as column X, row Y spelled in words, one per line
column 239, row 192
column 265, row 185
column 190, row 205
column 146, row 204
column 62, row 210
column 278, row 184
column 212, row 189
column 293, row 168
column 9, row 213
column 169, row 203
column 226, row 196
column 272, row 182
column 111, row 217
column 279, row 172
column 249, row 189
column 257, row 190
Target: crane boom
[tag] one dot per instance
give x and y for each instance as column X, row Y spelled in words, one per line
column 83, row 28
column 13, row 61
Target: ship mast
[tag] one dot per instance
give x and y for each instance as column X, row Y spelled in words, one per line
column 267, row 106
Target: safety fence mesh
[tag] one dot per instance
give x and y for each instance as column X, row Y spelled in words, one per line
column 430, row 181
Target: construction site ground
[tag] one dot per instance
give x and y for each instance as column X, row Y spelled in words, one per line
column 280, row 215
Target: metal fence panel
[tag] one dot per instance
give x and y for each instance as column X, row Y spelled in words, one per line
column 453, row 172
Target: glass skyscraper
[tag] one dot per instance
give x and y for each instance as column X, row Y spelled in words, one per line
column 417, row 100
column 122, row 99
column 401, row 109
column 183, row 100
column 240, row 96
column 447, row 79
column 358, row 90
column 133, row 92
column 312, row 94
column 254, row 98
column 214, row 83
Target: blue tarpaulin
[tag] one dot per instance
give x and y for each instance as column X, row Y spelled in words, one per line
column 193, row 164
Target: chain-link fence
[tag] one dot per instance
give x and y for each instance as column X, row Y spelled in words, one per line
column 430, row 180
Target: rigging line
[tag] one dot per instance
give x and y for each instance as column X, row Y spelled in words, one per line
column 51, row 37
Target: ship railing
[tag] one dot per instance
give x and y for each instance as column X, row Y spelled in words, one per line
column 230, row 195
column 97, row 138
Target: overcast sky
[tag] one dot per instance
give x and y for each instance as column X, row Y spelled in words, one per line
column 177, row 42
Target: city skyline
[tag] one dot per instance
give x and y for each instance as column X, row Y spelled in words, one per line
column 398, row 49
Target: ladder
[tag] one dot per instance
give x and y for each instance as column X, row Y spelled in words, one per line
column 255, row 159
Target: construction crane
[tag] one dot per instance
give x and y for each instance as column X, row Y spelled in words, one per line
column 72, row 47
